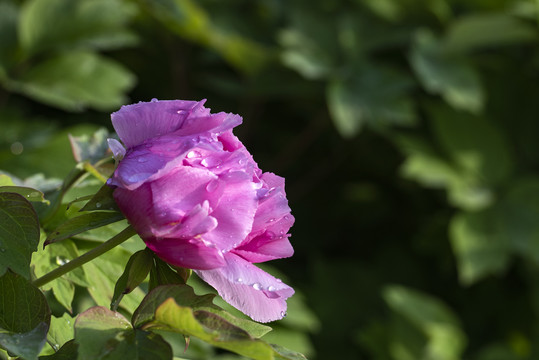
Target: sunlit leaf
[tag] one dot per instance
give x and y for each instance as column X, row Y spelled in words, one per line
column 29, row 193
column 137, row 269
column 61, row 330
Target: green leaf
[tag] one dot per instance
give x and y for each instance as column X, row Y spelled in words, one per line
column 22, row 306
column 29, row 193
column 441, row 73
column 162, row 274
column 9, row 14
column 66, row 24
column 445, row 339
column 90, row 148
column 76, row 80
column 137, row 269
column 214, row 330
column 27, row 345
column 83, row 223
column 102, row 274
column 185, row 296
column 485, row 30
column 373, row 96
column 67, row 352
column 61, row 330
column 479, row 246
column 102, row 333
column 102, row 200
column 19, row 233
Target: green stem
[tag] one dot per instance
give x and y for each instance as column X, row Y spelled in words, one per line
column 83, row 259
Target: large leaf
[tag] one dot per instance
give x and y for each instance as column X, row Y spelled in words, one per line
column 61, row 330
column 19, row 233
column 67, row 352
column 184, row 295
column 373, row 96
column 441, row 73
column 27, row 345
column 54, row 24
column 29, row 193
column 214, row 330
column 83, row 223
column 105, row 334
column 76, row 80
column 438, row 323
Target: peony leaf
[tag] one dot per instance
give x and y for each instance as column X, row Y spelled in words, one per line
column 27, row 345
column 61, row 330
column 67, row 352
column 137, row 269
column 19, row 233
column 102, row 200
column 83, row 223
column 22, row 305
column 215, row 330
column 90, row 148
column 29, row 193
column 102, row 333
column 162, row 274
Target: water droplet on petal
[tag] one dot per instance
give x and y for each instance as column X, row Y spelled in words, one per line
column 239, row 280
column 154, row 100
column 192, row 154
column 210, row 162
column 212, row 186
column 283, row 313
column 271, row 220
column 271, row 288
column 279, row 280
column 256, row 286
column 142, row 160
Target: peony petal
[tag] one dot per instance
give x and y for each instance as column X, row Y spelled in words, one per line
column 192, row 254
column 265, row 247
column 118, row 151
column 235, row 211
column 138, row 122
column 272, row 208
column 249, row 289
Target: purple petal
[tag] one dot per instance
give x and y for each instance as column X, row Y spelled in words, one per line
column 192, row 254
column 265, row 247
column 249, row 289
column 118, row 151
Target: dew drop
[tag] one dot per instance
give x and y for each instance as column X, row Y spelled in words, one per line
column 283, row 314
column 60, row 260
column 210, row 162
column 256, row 286
column 271, row 288
column 239, row 280
column 212, row 186
column 142, row 160
column 98, row 205
column 271, row 220
column 279, row 281
column 192, row 154
column 154, row 100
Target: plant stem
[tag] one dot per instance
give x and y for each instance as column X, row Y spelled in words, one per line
column 83, row 259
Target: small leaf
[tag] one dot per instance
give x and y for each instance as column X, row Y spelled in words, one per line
column 27, row 345
column 19, row 234
column 76, row 80
column 136, row 270
column 29, row 193
column 22, row 306
column 83, row 223
column 90, row 148
column 102, row 200
column 61, row 330
column 67, row 352
column 162, row 274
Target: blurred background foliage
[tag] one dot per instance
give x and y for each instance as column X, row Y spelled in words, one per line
column 407, row 131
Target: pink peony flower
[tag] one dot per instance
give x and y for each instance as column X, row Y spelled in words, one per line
column 195, row 195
